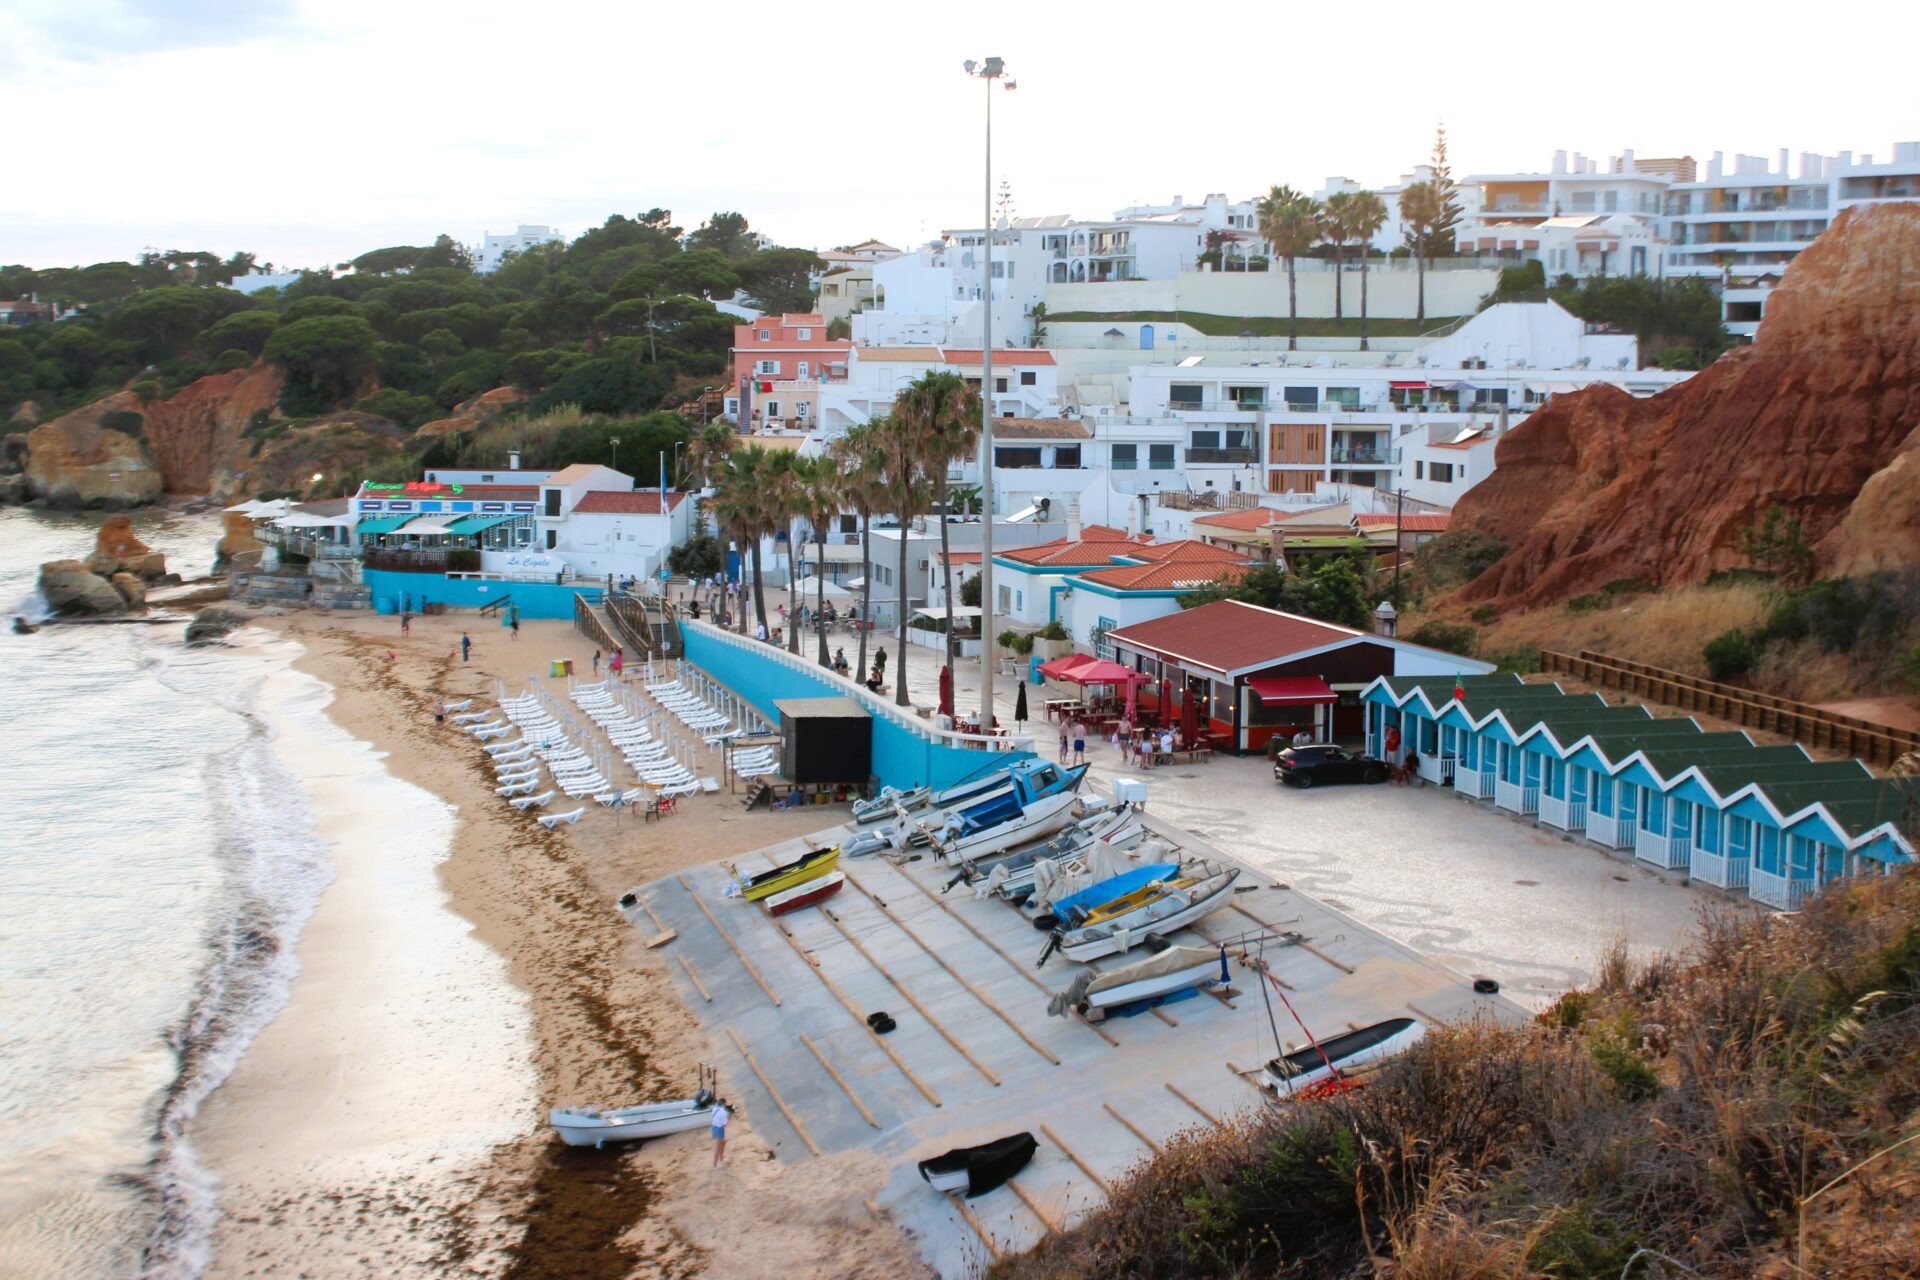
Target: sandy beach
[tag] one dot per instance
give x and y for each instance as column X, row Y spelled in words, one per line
column 391, row 1120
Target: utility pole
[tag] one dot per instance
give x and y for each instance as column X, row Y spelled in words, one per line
column 1399, row 502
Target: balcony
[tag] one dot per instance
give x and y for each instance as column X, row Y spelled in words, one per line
column 1779, row 891
column 1220, row 457
column 1438, row 769
column 1606, row 829
column 1475, row 784
column 1722, row 873
column 1367, row 457
column 1568, row 815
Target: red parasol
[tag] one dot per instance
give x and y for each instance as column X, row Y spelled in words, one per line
column 1190, row 717
column 946, row 691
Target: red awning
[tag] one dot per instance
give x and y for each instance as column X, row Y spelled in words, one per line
column 1059, row 668
column 1408, row 386
column 1285, row 690
column 1100, row 671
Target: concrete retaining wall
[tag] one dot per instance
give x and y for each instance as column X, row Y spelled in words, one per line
column 260, row 588
column 532, row 599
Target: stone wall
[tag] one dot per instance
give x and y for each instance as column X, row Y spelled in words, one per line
column 290, row 589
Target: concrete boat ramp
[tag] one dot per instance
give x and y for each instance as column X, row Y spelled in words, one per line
column 975, row 1056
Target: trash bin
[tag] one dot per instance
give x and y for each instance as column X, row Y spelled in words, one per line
column 557, row 668
column 1033, row 669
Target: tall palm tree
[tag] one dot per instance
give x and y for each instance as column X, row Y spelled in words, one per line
column 1421, row 211
column 737, row 508
column 821, row 493
column 706, row 453
column 1336, row 228
column 863, row 462
column 1289, row 222
column 1369, row 214
column 906, row 496
column 943, row 413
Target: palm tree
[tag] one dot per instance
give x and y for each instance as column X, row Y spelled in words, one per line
column 864, row 466
column 905, row 491
column 736, row 507
column 1420, row 210
column 1336, row 228
column 1368, row 214
column 942, row 413
column 706, row 454
column 821, row 491
column 1289, row 222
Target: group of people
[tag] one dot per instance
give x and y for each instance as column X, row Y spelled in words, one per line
column 616, row 665
column 1144, row 746
column 1406, row 769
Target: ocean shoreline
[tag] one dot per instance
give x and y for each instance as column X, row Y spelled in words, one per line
column 603, row 1025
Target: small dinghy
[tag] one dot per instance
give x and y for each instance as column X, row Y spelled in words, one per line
column 1116, row 927
column 780, row 879
column 1338, row 1057
column 1075, row 907
column 805, row 895
column 978, row 1170
column 594, row 1127
column 1173, row 970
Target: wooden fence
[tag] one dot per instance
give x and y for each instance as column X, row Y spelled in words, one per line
column 1809, row 725
column 587, row 622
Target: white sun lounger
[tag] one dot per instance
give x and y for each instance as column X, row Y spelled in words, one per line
column 533, row 802
column 552, row 820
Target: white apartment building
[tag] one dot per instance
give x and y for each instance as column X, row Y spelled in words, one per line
column 494, row 249
column 1575, row 219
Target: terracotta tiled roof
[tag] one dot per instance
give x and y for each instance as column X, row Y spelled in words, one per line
column 640, row 502
column 1040, row 429
column 1167, row 576
column 1105, row 533
column 1245, row 519
column 961, row 557
column 1065, row 553
column 1188, row 549
column 1228, row 636
column 1006, row 356
column 1424, row 522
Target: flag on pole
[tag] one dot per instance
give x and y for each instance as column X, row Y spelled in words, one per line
column 1459, row 689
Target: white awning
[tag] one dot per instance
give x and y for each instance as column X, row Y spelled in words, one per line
column 424, row 527
column 964, row 611
column 301, row 520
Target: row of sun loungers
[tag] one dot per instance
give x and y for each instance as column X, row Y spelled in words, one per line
column 650, row 757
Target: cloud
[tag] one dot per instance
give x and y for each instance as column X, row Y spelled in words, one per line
column 40, row 32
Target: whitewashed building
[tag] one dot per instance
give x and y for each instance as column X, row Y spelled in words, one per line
column 494, row 249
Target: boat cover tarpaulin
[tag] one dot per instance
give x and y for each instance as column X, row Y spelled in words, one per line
column 1171, row 961
column 988, row 1165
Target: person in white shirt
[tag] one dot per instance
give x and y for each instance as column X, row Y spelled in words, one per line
column 720, row 1115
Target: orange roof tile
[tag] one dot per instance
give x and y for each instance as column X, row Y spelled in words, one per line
column 1422, row 522
column 1246, row 519
column 1229, row 635
column 1168, row 576
column 1188, row 549
column 1010, row 355
column 640, row 502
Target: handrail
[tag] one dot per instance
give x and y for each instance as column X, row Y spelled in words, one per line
column 494, row 606
column 878, row 706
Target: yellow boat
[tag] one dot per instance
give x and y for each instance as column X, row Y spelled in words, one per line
column 1133, row 901
column 780, row 879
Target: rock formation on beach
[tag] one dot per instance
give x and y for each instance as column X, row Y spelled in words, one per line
column 114, row 579
column 195, row 432
column 93, row 457
column 213, row 624
column 1821, row 417
column 237, row 545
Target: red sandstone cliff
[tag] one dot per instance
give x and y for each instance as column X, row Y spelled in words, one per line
column 1820, row 416
column 193, row 432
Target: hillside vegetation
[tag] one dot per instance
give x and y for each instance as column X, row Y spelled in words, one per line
column 1749, row 1109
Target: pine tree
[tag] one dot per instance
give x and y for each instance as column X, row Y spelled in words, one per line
column 1440, row 236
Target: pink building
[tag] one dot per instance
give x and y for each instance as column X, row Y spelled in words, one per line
column 778, row 359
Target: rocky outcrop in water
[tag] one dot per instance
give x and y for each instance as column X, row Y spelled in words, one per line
column 213, row 624
column 1821, row 417
column 114, row 579
column 73, row 590
column 237, row 545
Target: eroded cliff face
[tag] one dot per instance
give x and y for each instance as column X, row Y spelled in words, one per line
column 75, row 461
column 1821, row 416
column 195, row 432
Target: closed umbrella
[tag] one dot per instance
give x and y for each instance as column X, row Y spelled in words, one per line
column 1020, row 705
column 1166, row 698
column 946, row 691
column 1190, row 718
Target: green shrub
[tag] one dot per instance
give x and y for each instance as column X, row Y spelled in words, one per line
column 1629, row 587
column 1626, row 1070
column 1524, row 660
column 147, row 390
column 1483, row 614
column 463, row 560
column 1053, row 630
column 1592, row 602
column 1581, row 1246
column 125, row 421
column 1730, row 654
column 1451, row 636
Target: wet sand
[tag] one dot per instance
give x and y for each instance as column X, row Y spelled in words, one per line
column 391, row 1120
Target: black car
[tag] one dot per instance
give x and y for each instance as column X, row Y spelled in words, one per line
column 1314, row 766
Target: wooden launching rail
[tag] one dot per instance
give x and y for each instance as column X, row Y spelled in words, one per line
column 698, row 985
column 919, row 1008
column 853, row 1011
column 986, row 1237
column 1134, row 1129
column 838, row 1079
column 727, row 938
column 953, row 973
column 1806, row 724
column 1072, row 1155
column 772, row 1092
column 1205, row 1114
column 994, row 947
column 1047, row 1224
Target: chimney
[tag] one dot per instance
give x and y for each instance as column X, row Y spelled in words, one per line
column 1560, row 162
column 1713, row 167
column 1386, row 619
column 1579, row 163
column 1846, row 159
column 1626, row 162
column 1073, row 519
column 513, row 459
column 1613, row 164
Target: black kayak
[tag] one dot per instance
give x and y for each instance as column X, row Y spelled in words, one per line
column 979, row 1169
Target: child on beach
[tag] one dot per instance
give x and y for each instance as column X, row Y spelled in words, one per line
column 406, row 622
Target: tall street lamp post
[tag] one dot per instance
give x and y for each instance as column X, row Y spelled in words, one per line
column 987, row 70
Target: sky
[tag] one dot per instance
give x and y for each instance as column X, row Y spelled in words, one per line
column 308, row 133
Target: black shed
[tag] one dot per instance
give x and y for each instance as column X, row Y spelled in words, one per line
column 825, row 740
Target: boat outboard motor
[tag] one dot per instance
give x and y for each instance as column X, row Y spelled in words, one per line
column 704, row 1098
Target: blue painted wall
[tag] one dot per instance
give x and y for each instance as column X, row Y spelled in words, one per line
column 901, row 758
column 533, row 599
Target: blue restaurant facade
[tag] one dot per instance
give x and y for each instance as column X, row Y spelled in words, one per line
column 1767, row 819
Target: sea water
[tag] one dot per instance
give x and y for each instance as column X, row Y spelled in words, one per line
column 156, row 863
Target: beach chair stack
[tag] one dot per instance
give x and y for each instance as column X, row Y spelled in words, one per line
column 650, row 756
column 544, row 740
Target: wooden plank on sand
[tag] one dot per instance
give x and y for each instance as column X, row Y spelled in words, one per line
column 1085, row 1168
column 732, row 945
column 698, row 985
column 772, row 1092
column 838, row 1079
column 1205, row 1114
column 1133, row 1129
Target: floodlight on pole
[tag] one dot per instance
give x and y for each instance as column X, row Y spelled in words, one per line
column 989, row 70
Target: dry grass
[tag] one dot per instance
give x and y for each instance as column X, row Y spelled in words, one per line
column 1678, row 1117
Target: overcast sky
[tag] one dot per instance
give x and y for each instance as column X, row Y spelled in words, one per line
column 309, row 133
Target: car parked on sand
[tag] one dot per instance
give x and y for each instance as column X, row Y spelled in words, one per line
column 1323, row 764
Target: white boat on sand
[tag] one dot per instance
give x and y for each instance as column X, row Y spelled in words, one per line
column 592, row 1127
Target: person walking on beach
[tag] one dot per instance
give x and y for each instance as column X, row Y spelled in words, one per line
column 1123, row 735
column 596, row 664
column 406, row 622
column 1079, row 741
column 514, row 623
column 721, row 1114
column 1066, row 740
column 466, row 647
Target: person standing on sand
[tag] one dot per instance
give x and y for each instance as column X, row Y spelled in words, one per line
column 466, row 646
column 514, row 622
column 596, row 664
column 616, row 666
column 406, row 622
column 720, row 1115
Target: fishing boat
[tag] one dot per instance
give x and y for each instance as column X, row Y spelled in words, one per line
column 594, row 1127
column 1338, row 1057
column 780, row 879
column 978, row 1170
column 1035, row 777
column 805, row 895
column 1073, row 909
column 1011, row 869
column 999, row 825
column 1115, row 927
column 1093, row 994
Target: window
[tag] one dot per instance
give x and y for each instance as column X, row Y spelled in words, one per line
column 804, row 335
column 1441, row 472
column 553, row 539
column 767, row 368
column 552, row 497
column 1204, row 440
column 1126, row 457
column 1419, row 471
column 1019, row 600
column 1238, row 437
column 1159, row 457
column 1248, row 397
column 1302, row 399
column 1004, row 595
column 1000, row 386
column 1346, row 397
column 1066, row 455
column 1019, row 456
column 486, row 479
column 1185, row 395
column 773, row 408
column 1028, row 378
column 765, row 335
column 802, row 369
